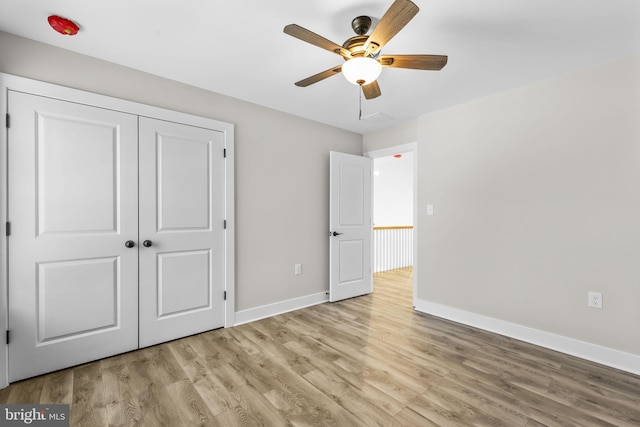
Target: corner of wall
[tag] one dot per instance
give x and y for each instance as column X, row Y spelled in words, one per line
column 402, row 133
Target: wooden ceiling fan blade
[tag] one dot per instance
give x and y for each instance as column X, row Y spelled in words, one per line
column 317, row 40
column 394, row 20
column 414, row 62
column 372, row 90
column 320, row 76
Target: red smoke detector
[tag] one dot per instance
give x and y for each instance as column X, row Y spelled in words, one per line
column 63, row 25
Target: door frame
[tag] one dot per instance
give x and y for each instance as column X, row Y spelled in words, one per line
column 390, row 151
column 20, row 84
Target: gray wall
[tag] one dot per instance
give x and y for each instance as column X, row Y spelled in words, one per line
column 537, row 201
column 403, row 133
column 282, row 166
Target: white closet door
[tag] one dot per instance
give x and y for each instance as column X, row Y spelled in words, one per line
column 73, row 192
column 182, row 189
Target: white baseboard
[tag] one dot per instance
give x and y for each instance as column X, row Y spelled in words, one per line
column 262, row 312
column 595, row 353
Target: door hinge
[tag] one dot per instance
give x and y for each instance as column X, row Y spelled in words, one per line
column 224, row 153
column 225, row 224
column 225, row 298
column 7, row 336
column 7, row 121
column 8, row 229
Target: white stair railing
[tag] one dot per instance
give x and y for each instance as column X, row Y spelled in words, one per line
column 392, row 247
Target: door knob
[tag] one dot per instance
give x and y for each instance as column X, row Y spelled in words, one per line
column 335, row 233
column 129, row 243
column 147, row 243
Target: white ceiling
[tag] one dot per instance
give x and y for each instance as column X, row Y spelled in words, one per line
column 237, row 48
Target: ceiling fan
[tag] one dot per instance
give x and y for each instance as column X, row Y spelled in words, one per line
column 364, row 60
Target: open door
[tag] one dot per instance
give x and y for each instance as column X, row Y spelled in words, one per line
column 351, row 227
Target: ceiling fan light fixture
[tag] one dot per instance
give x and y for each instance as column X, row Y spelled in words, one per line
column 361, row 70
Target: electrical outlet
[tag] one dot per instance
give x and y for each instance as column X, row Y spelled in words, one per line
column 298, row 269
column 595, row 299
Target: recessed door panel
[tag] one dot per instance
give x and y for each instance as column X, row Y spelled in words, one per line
column 351, row 191
column 184, row 175
column 182, row 218
column 184, row 282
column 73, row 195
column 77, row 182
column 351, row 261
column 77, row 297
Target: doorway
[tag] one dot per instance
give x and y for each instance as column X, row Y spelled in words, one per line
column 394, row 208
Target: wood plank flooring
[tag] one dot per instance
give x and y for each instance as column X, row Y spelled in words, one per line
column 367, row 361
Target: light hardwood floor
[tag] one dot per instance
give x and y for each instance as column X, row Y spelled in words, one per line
column 367, row 361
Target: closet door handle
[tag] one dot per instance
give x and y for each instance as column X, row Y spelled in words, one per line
column 129, row 243
column 147, row 243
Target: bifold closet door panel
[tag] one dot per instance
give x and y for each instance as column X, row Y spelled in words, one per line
column 73, row 205
column 182, row 189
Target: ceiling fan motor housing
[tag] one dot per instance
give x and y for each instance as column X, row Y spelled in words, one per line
column 355, row 45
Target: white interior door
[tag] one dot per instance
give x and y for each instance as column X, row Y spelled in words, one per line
column 182, row 208
column 351, row 226
column 72, row 200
